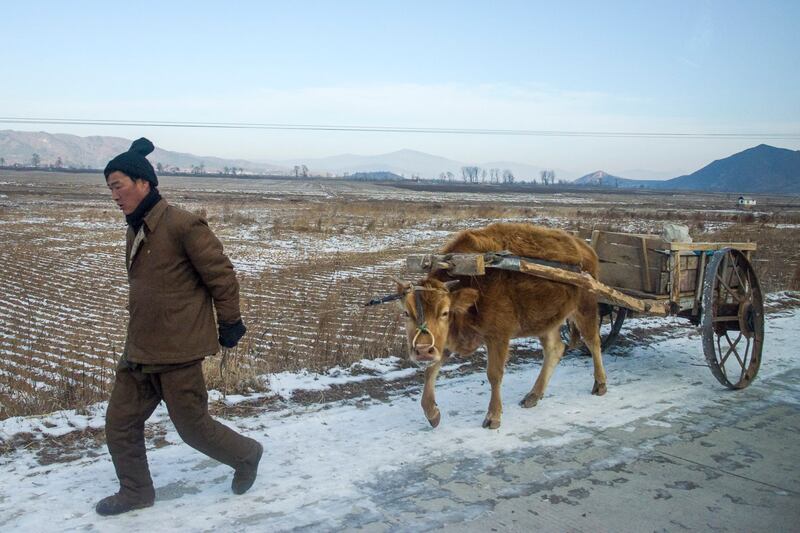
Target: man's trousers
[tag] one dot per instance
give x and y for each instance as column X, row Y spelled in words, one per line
column 134, row 398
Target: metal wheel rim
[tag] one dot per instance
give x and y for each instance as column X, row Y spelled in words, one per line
column 732, row 319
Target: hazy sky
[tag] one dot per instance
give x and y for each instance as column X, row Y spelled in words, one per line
column 728, row 67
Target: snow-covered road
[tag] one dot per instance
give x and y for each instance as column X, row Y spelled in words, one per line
column 358, row 463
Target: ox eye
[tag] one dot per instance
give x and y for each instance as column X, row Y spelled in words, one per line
column 445, row 314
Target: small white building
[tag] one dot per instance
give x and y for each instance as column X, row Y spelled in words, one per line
column 746, row 201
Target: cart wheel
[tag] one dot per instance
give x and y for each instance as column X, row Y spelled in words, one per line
column 611, row 319
column 733, row 319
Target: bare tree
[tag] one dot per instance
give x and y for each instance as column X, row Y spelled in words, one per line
column 450, row 176
column 304, row 170
column 296, row 171
column 159, row 167
column 508, row 176
column 470, row 174
column 59, row 162
column 35, row 159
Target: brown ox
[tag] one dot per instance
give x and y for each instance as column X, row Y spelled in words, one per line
column 501, row 305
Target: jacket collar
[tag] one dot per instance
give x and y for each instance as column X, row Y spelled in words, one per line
column 150, row 220
column 155, row 215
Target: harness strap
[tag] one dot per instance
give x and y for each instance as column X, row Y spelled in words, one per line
column 420, row 310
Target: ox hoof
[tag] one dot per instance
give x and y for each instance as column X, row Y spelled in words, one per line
column 530, row 400
column 599, row 389
column 435, row 419
column 491, row 423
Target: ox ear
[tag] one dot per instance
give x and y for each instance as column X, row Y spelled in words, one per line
column 462, row 299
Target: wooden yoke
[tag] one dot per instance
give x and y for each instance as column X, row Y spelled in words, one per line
column 455, row 264
column 476, row 265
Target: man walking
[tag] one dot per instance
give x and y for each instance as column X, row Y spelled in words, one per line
column 177, row 271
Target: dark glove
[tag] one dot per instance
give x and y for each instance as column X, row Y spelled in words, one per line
column 229, row 334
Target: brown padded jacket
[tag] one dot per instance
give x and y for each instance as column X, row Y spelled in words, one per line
column 177, row 273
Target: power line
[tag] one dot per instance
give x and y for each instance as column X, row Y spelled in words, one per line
column 398, row 129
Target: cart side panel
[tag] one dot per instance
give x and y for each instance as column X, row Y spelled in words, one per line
column 633, row 262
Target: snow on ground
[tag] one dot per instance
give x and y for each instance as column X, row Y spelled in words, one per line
column 323, row 462
column 285, row 383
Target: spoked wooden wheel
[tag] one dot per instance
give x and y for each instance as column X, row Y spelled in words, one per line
column 611, row 319
column 733, row 319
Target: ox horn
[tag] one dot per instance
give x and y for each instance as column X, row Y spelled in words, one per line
column 405, row 284
column 450, row 284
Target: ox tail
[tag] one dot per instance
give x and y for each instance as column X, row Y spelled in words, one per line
column 574, row 335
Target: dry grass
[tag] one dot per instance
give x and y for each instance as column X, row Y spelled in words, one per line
column 338, row 217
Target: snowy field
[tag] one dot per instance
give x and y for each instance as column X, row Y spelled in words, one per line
column 340, row 465
column 308, row 254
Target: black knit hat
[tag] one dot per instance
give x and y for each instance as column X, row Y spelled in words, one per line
column 134, row 163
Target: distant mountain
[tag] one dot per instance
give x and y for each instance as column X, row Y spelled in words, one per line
column 763, row 168
column 602, row 179
column 406, row 163
column 96, row 151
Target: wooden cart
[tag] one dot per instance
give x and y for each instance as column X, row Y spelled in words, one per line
column 711, row 284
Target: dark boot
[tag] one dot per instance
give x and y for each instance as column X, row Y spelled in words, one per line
column 245, row 475
column 118, row 504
